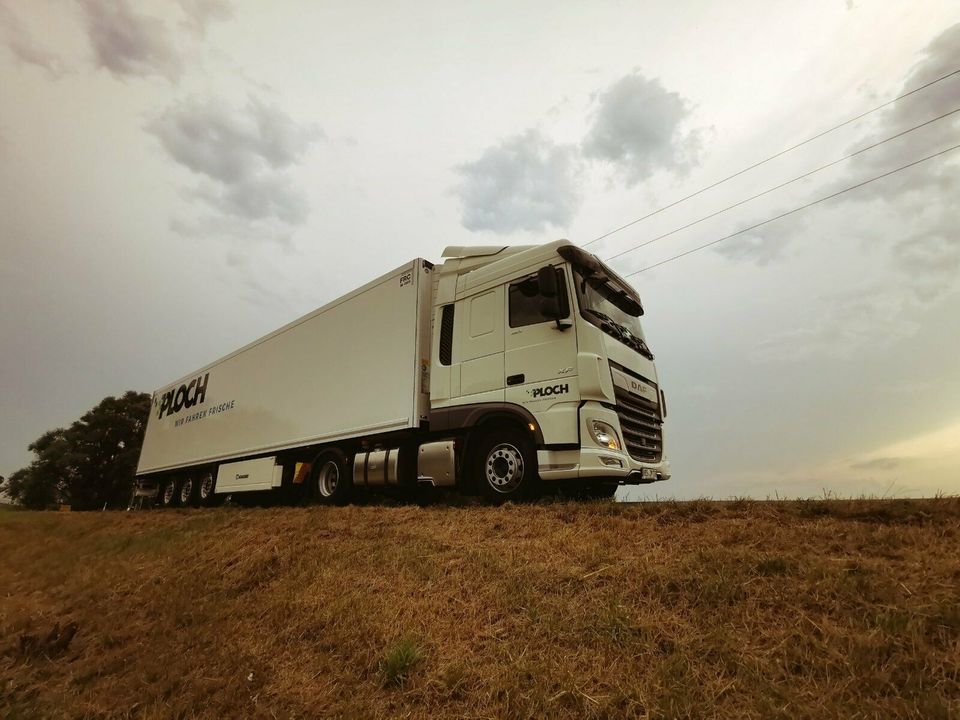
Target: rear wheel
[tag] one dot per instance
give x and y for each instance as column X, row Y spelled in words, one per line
column 331, row 483
column 205, row 488
column 505, row 466
column 168, row 493
column 188, row 495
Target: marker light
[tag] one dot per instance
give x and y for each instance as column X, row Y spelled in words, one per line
column 603, row 434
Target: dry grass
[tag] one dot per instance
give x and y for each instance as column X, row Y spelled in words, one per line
column 748, row 610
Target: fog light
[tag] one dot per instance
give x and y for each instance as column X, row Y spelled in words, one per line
column 611, row 461
column 603, row 434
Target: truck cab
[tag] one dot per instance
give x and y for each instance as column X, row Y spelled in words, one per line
column 548, row 338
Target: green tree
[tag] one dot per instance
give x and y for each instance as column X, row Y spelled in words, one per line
column 90, row 464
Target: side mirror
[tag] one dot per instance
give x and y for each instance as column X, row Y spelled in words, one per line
column 547, row 280
column 550, row 307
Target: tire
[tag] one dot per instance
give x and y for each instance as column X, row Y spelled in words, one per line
column 505, row 466
column 206, row 489
column 188, row 492
column 331, row 482
column 169, row 493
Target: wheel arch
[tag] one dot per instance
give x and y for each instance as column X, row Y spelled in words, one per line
column 469, row 417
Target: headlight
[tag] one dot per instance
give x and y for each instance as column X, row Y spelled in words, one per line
column 603, row 434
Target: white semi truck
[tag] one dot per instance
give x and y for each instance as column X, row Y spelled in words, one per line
column 499, row 371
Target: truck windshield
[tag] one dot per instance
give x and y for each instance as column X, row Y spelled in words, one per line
column 598, row 307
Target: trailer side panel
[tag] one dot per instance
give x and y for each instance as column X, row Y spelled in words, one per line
column 349, row 369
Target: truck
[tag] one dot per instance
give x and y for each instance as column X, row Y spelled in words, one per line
column 501, row 371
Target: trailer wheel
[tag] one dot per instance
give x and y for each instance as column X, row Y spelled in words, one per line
column 205, row 489
column 505, row 466
column 331, row 481
column 168, row 493
column 188, row 492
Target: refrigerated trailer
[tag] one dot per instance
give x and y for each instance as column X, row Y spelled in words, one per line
column 501, row 370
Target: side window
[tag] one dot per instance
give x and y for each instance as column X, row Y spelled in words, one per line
column 484, row 312
column 446, row 334
column 526, row 301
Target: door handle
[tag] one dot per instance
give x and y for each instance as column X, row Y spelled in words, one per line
column 514, row 379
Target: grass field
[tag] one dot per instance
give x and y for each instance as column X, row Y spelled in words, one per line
column 736, row 610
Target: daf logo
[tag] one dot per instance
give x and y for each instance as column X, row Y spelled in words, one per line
column 638, row 387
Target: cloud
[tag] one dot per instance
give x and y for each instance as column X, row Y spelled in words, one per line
column 526, row 182
column 638, row 128
column 529, row 181
column 131, row 43
column 23, row 46
column 216, row 225
column 762, row 249
column 845, row 324
column 924, row 193
column 127, row 42
column 880, row 463
column 924, row 248
column 200, row 13
column 906, row 222
column 243, row 156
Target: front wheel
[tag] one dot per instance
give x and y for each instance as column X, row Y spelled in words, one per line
column 505, row 466
column 332, row 483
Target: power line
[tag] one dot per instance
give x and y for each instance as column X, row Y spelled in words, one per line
column 791, row 212
column 781, row 185
column 772, row 157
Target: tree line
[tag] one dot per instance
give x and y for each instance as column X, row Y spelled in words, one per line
column 90, row 464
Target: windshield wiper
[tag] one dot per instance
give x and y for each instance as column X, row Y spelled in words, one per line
column 622, row 334
column 607, row 319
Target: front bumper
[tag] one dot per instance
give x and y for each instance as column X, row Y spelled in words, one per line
column 598, row 463
column 591, row 461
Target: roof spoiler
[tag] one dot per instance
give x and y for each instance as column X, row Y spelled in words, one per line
column 622, row 294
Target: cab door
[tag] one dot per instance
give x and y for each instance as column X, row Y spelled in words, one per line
column 540, row 358
column 480, row 343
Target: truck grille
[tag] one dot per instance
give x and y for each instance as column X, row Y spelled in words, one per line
column 641, row 425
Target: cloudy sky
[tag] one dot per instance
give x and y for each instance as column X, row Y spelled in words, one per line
column 178, row 178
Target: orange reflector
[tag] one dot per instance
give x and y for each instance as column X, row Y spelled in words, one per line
column 533, row 428
column 303, row 469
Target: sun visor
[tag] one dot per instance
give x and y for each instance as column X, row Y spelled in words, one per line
column 618, row 290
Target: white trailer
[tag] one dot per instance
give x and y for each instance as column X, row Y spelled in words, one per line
column 475, row 373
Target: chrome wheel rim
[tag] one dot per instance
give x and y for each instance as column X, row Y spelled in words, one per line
column 504, row 468
column 328, row 478
column 185, row 491
column 206, row 487
column 168, row 493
